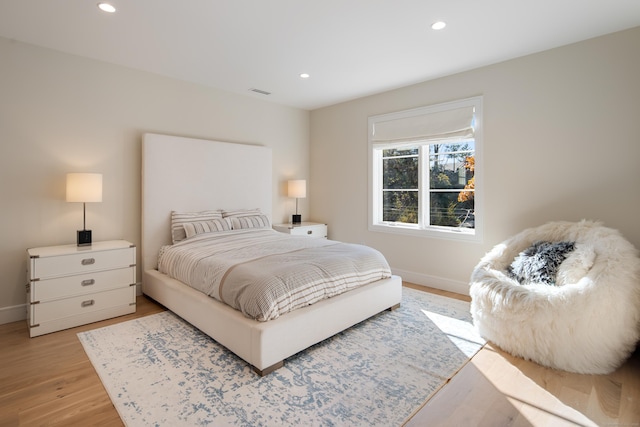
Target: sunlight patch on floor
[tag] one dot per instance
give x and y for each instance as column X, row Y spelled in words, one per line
column 531, row 400
column 461, row 333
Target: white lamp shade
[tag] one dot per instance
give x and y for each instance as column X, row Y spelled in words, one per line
column 297, row 188
column 84, row 187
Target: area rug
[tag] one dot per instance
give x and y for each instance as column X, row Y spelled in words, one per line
column 161, row 371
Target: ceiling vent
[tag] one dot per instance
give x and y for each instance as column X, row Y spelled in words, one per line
column 262, row 92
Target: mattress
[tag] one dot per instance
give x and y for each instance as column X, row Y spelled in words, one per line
column 264, row 274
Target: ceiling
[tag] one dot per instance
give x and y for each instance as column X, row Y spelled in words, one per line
column 350, row 48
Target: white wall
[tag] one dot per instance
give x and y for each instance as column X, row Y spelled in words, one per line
column 561, row 142
column 61, row 113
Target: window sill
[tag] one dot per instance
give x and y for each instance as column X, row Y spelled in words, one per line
column 458, row 234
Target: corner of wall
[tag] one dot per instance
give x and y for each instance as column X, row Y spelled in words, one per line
column 14, row 313
column 441, row 283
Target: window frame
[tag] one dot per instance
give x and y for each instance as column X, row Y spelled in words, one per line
column 375, row 176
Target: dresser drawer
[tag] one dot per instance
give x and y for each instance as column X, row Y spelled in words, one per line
column 319, row 231
column 64, row 265
column 87, row 283
column 80, row 305
column 309, row 229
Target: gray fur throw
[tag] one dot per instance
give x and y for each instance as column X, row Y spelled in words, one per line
column 539, row 263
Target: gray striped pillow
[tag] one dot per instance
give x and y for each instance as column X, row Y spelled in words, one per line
column 254, row 221
column 240, row 212
column 178, row 219
column 201, row 227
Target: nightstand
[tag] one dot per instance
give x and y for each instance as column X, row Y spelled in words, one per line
column 311, row 229
column 74, row 285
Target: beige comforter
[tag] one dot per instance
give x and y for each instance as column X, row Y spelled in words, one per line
column 264, row 273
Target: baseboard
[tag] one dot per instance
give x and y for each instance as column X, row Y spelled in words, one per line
column 13, row 314
column 433, row 281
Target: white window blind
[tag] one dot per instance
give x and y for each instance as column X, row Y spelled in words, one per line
column 425, row 125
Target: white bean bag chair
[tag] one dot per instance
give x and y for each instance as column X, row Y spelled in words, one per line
column 588, row 321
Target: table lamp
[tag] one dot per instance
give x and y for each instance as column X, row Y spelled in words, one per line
column 85, row 188
column 297, row 188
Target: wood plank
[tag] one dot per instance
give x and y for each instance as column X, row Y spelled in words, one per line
column 497, row 389
column 49, row 380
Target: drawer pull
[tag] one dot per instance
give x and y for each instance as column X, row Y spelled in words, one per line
column 88, row 303
column 88, row 282
column 88, row 261
column 309, row 231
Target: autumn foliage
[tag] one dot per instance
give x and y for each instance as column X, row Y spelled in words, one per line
column 470, row 165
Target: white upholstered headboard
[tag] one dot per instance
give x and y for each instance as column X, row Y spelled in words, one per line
column 188, row 175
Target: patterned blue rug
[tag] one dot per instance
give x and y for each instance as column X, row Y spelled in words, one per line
column 160, row 371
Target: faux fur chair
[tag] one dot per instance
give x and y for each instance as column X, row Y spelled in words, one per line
column 579, row 309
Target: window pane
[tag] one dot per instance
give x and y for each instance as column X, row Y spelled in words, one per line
column 451, row 166
column 448, row 148
column 400, row 173
column 394, row 152
column 400, row 206
column 448, row 211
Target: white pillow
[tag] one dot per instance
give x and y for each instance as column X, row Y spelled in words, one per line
column 576, row 265
column 178, row 219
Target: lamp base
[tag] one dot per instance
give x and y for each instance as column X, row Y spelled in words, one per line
column 84, row 237
column 296, row 219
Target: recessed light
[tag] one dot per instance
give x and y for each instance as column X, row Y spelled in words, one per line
column 106, row 7
column 304, row 76
column 438, row 25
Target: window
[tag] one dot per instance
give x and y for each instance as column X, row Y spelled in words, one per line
column 425, row 171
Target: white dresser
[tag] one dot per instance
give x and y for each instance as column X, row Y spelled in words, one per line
column 71, row 285
column 310, row 229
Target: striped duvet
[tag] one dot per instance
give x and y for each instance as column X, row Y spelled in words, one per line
column 265, row 274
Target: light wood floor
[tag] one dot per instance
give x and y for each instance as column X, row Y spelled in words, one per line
column 49, row 380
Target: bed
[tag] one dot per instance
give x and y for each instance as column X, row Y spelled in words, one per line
column 194, row 175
